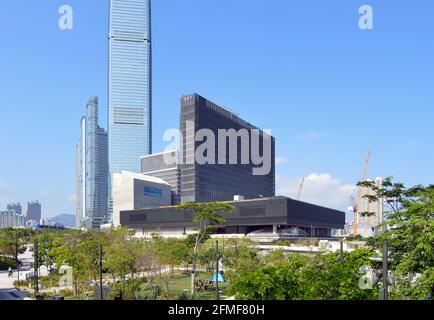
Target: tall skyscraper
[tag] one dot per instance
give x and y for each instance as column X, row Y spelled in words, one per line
column 33, row 212
column 130, row 85
column 92, row 170
column 223, row 180
column 80, row 185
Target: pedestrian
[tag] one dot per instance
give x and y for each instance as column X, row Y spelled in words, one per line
column 10, row 272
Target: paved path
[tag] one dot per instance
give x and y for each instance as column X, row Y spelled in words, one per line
column 7, row 289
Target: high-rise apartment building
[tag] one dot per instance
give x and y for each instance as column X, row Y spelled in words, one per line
column 92, row 170
column 11, row 219
column 15, row 207
column 232, row 172
column 130, row 85
column 33, row 212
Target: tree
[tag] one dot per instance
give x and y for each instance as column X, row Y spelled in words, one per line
column 12, row 242
column 206, row 215
column 240, row 258
column 270, row 282
column 328, row 277
column 79, row 251
column 47, row 241
column 300, row 277
column 408, row 228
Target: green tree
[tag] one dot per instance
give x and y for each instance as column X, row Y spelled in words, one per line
column 299, row 277
column 206, row 215
column 79, row 251
column 327, row 277
column 270, row 282
column 408, row 228
column 12, row 242
column 240, row 258
column 48, row 240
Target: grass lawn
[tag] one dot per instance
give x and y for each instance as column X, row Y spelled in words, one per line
column 182, row 282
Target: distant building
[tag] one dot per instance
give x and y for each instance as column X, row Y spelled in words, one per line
column 129, row 85
column 368, row 226
column 92, row 170
column 135, row 191
column 220, row 182
column 80, row 204
column 15, row 207
column 155, row 165
column 33, row 214
column 11, row 219
column 47, row 227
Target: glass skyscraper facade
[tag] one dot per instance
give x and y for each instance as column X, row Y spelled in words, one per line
column 130, row 86
column 220, row 182
column 92, row 170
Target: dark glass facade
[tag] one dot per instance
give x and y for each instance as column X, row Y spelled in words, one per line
column 219, row 182
column 250, row 215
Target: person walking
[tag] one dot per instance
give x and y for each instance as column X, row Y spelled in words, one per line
column 10, row 272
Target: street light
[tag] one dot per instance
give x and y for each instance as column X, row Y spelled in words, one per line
column 217, row 270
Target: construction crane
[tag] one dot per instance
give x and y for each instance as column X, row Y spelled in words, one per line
column 355, row 201
column 300, row 188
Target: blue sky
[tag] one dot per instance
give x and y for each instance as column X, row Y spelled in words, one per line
column 302, row 68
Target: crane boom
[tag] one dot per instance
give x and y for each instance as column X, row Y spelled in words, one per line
column 300, row 188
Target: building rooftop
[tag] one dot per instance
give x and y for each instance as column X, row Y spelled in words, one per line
column 143, row 177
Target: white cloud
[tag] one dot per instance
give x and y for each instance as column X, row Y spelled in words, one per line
column 281, row 160
column 45, row 193
column 321, row 189
column 72, row 198
column 3, row 185
column 309, row 136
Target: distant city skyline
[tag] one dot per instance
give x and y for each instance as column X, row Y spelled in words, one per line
column 328, row 90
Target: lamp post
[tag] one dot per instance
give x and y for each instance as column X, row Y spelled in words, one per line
column 217, row 271
column 100, row 271
column 385, row 295
column 36, row 267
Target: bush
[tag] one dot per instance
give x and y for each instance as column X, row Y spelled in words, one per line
column 127, row 290
column 298, row 277
column 50, row 281
column 67, row 293
column 21, row 283
column 183, row 295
